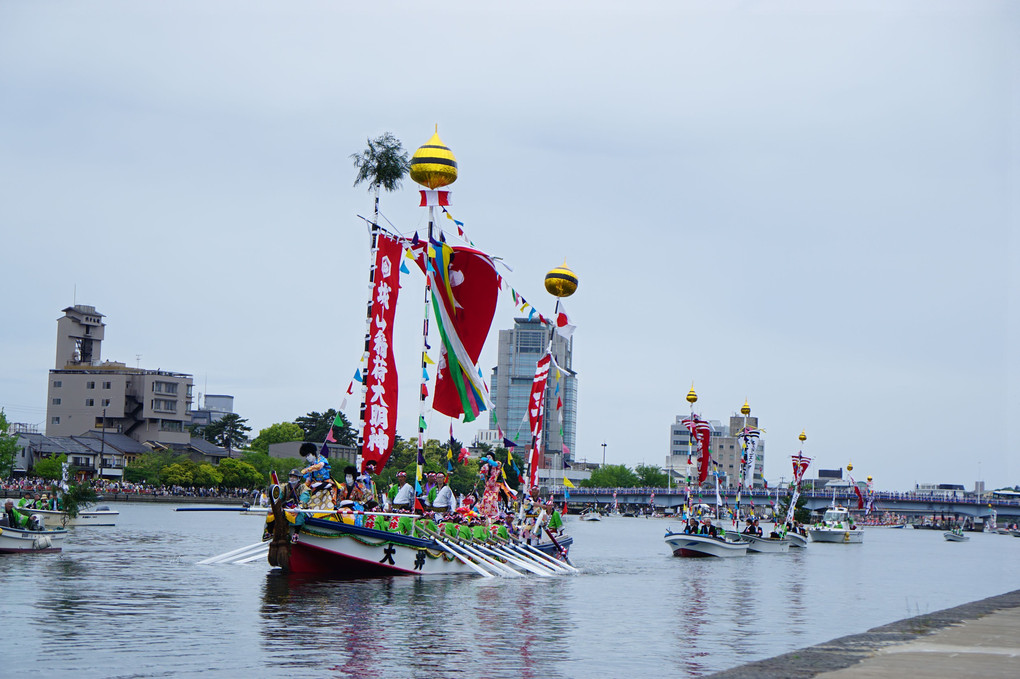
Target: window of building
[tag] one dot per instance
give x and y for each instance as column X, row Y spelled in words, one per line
column 55, row 420
column 164, row 405
column 107, row 385
column 169, row 388
column 171, row 425
column 58, row 384
column 106, row 402
column 90, row 402
column 90, row 385
column 157, row 387
column 56, row 401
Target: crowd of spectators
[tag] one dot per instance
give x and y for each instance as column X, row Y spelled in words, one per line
column 105, row 487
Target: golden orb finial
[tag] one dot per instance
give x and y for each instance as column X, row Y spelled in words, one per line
column 803, row 436
column 849, row 466
column 745, row 409
column 433, row 165
column 561, row 281
column 869, row 479
column 692, row 397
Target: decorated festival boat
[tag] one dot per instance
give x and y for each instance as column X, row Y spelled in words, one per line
column 313, row 532
column 767, row 545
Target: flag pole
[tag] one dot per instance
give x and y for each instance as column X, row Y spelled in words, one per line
column 692, row 398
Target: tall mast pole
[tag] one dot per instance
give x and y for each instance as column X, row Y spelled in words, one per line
column 692, row 398
column 433, row 166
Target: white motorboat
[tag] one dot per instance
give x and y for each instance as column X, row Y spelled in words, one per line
column 797, row 540
column 18, row 540
column 696, row 545
column 591, row 516
column 758, row 543
column 953, row 536
column 100, row 516
column 836, row 526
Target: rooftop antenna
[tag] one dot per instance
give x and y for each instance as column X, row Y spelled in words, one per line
column 138, row 360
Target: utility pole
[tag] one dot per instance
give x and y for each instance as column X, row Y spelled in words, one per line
column 603, row 454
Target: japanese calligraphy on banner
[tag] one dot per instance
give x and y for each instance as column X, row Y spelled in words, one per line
column 381, row 373
column 536, row 409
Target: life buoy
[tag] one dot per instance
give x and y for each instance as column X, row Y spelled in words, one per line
column 42, row 542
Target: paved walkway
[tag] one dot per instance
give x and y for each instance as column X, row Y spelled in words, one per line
column 979, row 639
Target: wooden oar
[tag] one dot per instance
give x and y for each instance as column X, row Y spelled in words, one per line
column 540, row 556
column 562, row 551
column 238, row 553
column 470, row 549
column 468, row 562
column 556, row 563
column 462, row 549
column 516, row 559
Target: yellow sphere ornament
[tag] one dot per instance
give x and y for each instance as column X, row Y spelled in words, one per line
column 745, row 409
column 849, row 466
column 692, row 397
column 869, row 479
column 561, row 281
column 433, row 165
column 803, row 436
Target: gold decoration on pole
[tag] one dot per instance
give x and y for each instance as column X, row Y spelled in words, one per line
column 561, row 281
column 802, row 437
column 745, row 409
column 692, row 397
column 433, row 165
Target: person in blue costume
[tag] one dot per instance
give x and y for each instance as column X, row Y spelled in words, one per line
column 317, row 470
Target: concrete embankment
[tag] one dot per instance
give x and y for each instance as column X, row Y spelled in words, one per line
column 141, row 497
column 979, row 639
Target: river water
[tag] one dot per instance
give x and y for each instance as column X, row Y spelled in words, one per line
column 131, row 601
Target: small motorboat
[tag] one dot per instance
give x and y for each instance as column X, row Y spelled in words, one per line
column 836, row 526
column 591, row 516
column 954, row 536
column 19, row 540
column 697, row 545
column 100, row 516
column 758, row 543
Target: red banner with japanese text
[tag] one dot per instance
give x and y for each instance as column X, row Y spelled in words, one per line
column 536, row 411
column 381, row 368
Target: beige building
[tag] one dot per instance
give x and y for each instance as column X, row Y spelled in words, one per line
column 86, row 393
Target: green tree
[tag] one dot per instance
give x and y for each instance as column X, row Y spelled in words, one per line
column 382, row 164
column 8, row 447
column 612, row 476
column 800, row 513
column 316, row 427
column 281, row 432
column 50, row 467
column 650, row 476
column 240, row 474
column 207, row 476
column 177, row 475
column 146, row 468
column 77, row 497
column 230, row 431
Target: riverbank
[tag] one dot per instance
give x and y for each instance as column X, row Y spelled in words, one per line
column 145, row 497
column 979, row 639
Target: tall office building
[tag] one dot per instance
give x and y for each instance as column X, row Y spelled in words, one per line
column 518, row 354
column 86, row 393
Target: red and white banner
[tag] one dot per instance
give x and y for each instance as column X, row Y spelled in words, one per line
column 381, row 370
column 702, row 432
column 800, row 465
column 434, row 198
column 536, row 411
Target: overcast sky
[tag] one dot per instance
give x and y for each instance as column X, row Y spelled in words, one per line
column 812, row 206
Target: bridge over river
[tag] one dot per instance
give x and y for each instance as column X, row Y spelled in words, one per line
column 910, row 504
